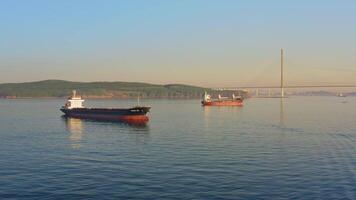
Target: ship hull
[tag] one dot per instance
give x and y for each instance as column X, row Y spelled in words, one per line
column 223, row 103
column 130, row 115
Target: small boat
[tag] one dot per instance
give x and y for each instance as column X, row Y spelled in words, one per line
column 74, row 108
column 222, row 101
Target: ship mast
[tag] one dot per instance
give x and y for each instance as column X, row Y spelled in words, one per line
column 282, row 84
column 138, row 99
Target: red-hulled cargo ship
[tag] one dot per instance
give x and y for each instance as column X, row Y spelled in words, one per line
column 222, row 101
column 74, row 108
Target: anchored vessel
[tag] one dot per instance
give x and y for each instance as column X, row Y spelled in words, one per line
column 222, row 101
column 74, row 108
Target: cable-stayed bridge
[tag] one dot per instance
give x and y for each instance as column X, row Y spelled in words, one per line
column 281, row 87
column 287, row 86
column 269, row 91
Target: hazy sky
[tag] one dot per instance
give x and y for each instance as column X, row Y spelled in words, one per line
column 200, row 42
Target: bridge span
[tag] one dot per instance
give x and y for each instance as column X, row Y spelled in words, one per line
column 278, row 87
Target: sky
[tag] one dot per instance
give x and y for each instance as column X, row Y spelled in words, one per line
column 213, row 43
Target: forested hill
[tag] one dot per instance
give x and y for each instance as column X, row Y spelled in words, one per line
column 59, row 88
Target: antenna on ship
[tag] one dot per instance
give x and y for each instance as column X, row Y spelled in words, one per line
column 138, row 99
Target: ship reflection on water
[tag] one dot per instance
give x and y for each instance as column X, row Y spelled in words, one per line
column 129, row 124
column 219, row 113
column 76, row 128
column 281, row 113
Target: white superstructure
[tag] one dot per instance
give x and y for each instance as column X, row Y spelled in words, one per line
column 74, row 101
column 207, row 97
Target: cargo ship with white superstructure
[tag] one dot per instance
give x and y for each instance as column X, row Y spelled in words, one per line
column 74, row 108
column 222, row 101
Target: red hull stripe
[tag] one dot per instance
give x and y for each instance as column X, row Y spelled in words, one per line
column 223, row 103
column 121, row 118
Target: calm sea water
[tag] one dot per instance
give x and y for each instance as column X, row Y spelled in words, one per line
column 298, row 148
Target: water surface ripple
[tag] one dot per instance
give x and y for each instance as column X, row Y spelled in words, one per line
column 297, row 148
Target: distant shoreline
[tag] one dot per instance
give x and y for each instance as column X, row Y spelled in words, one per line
column 99, row 98
column 147, row 98
column 59, row 89
column 53, row 89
